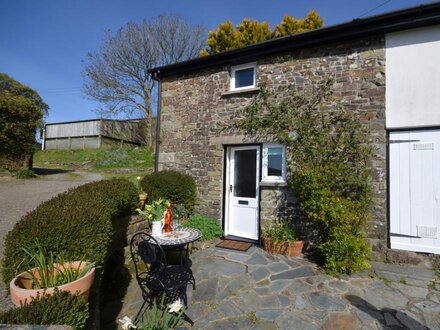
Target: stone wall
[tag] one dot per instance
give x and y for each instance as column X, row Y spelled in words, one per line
column 124, row 233
column 196, row 112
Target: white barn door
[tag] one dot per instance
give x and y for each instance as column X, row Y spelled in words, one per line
column 415, row 190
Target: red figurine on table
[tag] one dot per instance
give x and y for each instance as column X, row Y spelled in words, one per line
column 168, row 220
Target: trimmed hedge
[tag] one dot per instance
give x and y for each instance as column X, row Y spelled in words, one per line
column 77, row 224
column 178, row 187
column 62, row 308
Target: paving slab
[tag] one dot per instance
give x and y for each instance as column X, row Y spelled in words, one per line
column 257, row 259
column 324, row 301
column 382, row 296
column 294, row 273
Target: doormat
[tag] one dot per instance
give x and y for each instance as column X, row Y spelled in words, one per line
column 234, row 245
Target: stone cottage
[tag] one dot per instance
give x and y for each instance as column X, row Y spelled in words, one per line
column 385, row 67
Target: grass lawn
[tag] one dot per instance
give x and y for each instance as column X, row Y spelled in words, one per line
column 134, row 159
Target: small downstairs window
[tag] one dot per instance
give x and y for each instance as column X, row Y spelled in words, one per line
column 274, row 163
column 243, row 76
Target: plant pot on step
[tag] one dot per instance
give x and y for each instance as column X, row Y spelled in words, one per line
column 142, row 200
column 291, row 249
column 21, row 286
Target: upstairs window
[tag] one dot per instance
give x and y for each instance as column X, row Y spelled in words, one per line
column 274, row 163
column 243, row 76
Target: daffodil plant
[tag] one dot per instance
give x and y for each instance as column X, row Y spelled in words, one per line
column 138, row 184
column 127, row 323
column 155, row 211
column 163, row 317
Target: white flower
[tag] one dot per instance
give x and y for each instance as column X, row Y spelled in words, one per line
column 138, row 178
column 176, row 306
column 126, row 323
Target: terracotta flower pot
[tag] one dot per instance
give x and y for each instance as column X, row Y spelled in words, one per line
column 142, row 200
column 292, row 249
column 21, row 286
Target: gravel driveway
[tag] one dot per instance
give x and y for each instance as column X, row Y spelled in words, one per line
column 18, row 197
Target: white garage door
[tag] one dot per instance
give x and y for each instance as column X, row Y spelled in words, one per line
column 415, row 191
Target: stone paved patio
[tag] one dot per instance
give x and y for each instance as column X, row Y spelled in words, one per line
column 256, row 290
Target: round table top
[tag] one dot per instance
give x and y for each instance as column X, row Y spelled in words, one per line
column 180, row 237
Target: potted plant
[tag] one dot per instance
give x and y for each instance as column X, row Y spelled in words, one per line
column 281, row 238
column 155, row 212
column 50, row 273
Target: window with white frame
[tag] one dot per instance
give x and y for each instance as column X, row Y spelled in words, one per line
column 243, row 76
column 274, row 163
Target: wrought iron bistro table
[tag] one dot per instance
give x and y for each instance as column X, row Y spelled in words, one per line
column 175, row 244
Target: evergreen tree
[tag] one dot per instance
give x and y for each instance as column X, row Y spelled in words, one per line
column 248, row 32
column 289, row 25
column 252, row 32
column 21, row 113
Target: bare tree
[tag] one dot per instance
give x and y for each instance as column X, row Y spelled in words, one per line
column 117, row 75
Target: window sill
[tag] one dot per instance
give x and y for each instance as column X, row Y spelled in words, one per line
column 241, row 91
column 273, row 183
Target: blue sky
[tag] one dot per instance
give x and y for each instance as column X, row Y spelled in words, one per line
column 42, row 43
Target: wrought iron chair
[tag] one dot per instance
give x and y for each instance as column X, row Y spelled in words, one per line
column 155, row 277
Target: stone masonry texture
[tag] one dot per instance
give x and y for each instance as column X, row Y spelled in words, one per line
column 196, row 114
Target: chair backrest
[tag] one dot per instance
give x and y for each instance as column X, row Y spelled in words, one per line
column 147, row 255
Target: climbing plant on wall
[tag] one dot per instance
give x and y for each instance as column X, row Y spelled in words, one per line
column 328, row 154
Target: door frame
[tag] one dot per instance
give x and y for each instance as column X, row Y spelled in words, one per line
column 225, row 194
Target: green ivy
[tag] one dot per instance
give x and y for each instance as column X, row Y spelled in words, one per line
column 328, row 152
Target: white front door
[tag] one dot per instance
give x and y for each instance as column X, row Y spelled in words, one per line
column 415, row 190
column 242, row 191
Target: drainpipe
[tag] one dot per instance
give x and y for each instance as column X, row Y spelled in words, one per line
column 159, row 101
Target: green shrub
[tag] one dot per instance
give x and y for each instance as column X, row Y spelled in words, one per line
column 338, row 219
column 25, row 174
column 78, row 224
column 61, row 308
column 178, row 187
column 327, row 211
column 345, row 253
column 21, row 113
column 210, row 228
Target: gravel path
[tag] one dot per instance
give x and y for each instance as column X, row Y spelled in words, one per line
column 18, row 197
